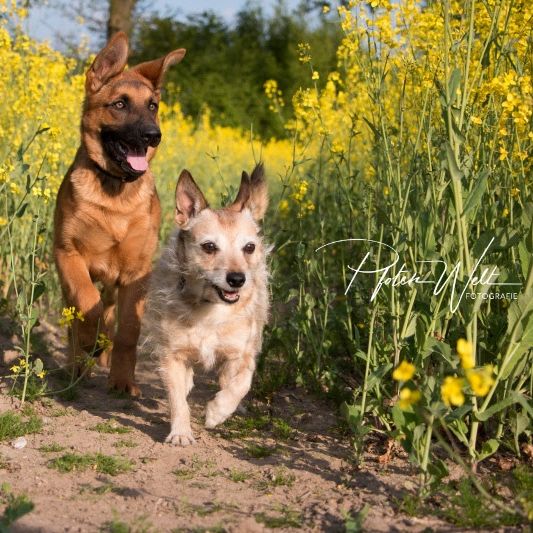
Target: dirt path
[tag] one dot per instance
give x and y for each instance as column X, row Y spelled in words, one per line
column 282, row 465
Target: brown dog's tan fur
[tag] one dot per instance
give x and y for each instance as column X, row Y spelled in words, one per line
column 106, row 227
column 188, row 320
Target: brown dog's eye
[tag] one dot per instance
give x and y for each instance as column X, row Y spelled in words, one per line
column 209, row 247
column 249, row 248
column 119, row 104
column 152, row 106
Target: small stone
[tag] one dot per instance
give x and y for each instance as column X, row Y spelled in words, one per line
column 19, row 443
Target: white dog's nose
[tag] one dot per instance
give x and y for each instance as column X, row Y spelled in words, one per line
column 235, row 279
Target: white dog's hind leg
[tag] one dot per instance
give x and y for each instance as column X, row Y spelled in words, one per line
column 235, row 381
column 179, row 381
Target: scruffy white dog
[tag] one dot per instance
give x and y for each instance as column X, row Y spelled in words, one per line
column 208, row 301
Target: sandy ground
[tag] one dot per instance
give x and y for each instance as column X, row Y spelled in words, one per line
column 307, row 480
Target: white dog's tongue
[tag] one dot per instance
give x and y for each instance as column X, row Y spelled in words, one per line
column 137, row 162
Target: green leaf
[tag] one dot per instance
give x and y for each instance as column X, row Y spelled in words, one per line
column 529, row 238
column 504, row 238
column 474, row 198
column 377, row 376
column 453, row 84
column 514, row 397
column 410, row 330
column 38, row 366
column 519, row 321
column 432, row 345
column 453, row 165
column 489, row 448
column 521, row 423
column 39, row 290
column 525, row 258
column 22, row 209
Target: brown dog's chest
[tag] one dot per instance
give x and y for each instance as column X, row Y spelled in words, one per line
column 116, row 246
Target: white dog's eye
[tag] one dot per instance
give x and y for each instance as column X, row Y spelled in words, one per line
column 209, row 247
column 249, row 248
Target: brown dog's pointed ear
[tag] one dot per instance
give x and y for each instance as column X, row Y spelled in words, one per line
column 189, row 199
column 155, row 70
column 253, row 193
column 108, row 63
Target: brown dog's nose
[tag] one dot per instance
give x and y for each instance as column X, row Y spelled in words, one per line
column 152, row 136
column 235, row 279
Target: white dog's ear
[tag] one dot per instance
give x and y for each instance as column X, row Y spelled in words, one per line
column 109, row 62
column 253, row 193
column 189, row 199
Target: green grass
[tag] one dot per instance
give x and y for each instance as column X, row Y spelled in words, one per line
column 281, row 477
column 239, row 476
column 111, row 426
column 139, row 525
column 104, row 464
column 240, row 426
column 463, row 508
column 248, row 426
column 208, row 529
column 16, row 507
column 204, row 467
column 281, row 429
column 459, row 503
column 50, row 448
column 13, row 425
column 61, row 411
column 125, row 443
column 286, row 518
column 257, row 451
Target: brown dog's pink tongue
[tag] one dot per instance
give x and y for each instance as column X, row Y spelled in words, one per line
column 137, row 162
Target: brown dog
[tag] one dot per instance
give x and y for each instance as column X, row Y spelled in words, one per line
column 107, row 213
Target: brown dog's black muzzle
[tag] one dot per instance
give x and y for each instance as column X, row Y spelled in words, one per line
column 127, row 146
column 152, row 136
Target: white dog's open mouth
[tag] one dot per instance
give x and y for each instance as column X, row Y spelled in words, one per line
column 230, row 297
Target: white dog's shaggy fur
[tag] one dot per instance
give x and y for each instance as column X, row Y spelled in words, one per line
column 208, row 301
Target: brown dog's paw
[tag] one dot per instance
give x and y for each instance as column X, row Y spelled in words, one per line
column 124, row 385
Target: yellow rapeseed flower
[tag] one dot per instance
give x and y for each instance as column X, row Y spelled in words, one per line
column 283, row 206
column 408, row 397
column 15, row 369
column 104, row 341
column 465, row 353
column 41, row 374
column 3, row 221
column 404, row 371
column 325, row 9
column 304, row 52
column 476, row 120
column 315, row 76
column 452, row 391
column 505, row 212
column 480, row 380
column 68, row 315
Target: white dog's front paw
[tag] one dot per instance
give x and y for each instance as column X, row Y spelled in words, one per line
column 214, row 416
column 180, row 438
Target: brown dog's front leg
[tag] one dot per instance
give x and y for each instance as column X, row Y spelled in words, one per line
column 79, row 291
column 124, row 354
